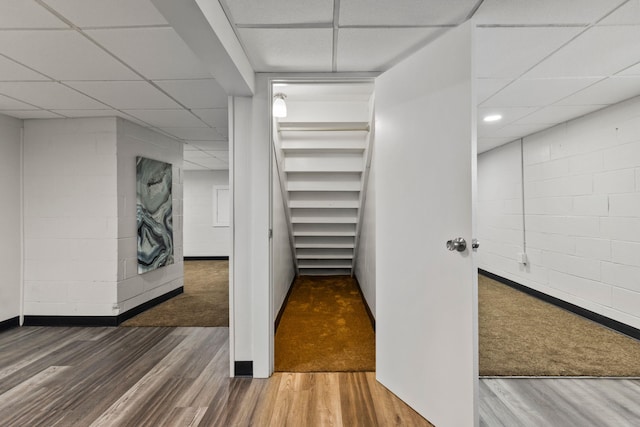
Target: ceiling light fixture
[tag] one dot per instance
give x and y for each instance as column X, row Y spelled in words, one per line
column 492, row 118
column 279, row 106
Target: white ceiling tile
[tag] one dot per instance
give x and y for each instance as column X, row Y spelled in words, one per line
column 509, row 52
column 49, row 95
column 30, row 114
column 537, row 93
column 288, row 49
column 557, row 114
column 195, row 134
column 167, row 118
column 216, row 117
column 211, row 163
column 404, row 12
column 88, row 113
column 27, row 14
column 7, row 103
column 207, row 145
column 368, row 49
column 509, row 115
column 222, row 155
column 111, row 13
column 487, row 87
column 515, row 130
column 198, row 93
column 281, row 11
column 486, row 144
column 193, row 155
column 599, row 51
column 608, row 91
column 126, row 94
column 10, row 70
column 188, row 166
column 157, row 53
column 62, row 55
column 634, row 70
column 515, row 12
column 628, row 14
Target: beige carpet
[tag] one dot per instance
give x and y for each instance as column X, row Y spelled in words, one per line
column 523, row 336
column 325, row 328
column 205, row 301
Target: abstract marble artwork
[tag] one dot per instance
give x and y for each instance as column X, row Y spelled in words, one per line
column 154, row 214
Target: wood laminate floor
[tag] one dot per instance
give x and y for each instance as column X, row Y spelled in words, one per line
column 179, row 377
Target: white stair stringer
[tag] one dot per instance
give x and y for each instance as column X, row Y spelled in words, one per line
column 323, row 168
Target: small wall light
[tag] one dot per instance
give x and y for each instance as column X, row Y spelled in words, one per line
column 279, row 106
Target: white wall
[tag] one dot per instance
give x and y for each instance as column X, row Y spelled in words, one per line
column 582, row 205
column 70, row 217
column 11, row 241
column 201, row 238
column 365, row 270
column 134, row 289
column 283, row 266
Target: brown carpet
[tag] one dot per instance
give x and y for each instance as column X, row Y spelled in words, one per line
column 324, row 328
column 205, row 301
column 523, row 336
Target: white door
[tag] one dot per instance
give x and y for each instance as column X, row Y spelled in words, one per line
column 426, row 297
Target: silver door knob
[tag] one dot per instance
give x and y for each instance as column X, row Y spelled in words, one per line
column 475, row 244
column 457, row 244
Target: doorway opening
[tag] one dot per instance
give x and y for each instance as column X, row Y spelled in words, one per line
column 323, row 245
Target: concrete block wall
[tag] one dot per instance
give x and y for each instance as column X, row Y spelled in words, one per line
column 10, row 230
column 582, row 206
column 200, row 237
column 134, row 289
column 70, row 217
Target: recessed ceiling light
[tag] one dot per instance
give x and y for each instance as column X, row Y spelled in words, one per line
column 492, row 118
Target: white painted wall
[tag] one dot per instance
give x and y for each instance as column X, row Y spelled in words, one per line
column 201, row 238
column 70, row 217
column 582, row 205
column 365, row 270
column 283, row 266
column 134, row 289
column 11, row 241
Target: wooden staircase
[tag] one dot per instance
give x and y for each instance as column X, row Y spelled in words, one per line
column 323, row 170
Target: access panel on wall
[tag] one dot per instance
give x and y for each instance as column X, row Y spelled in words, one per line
column 154, row 214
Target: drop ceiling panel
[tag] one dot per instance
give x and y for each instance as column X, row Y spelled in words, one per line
column 194, row 134
column 157, row 53
column 27, row 14
column 199, row 93
column 49, row 95
column 599, row 51
column 207, row 145
column 111, row 13
column 634, row 70
column 10, row 70
column 628, row 14
column 509, row 52
column 509, row 115
column 62, row 55
column 288, row 49
column 537, row 93
column 120, row 94
column 609, row 91
column 188, row 166
column 404, row 12
column 542, row 12
column 485, row 88
column 7, row 103
column 211, row 163
column 216, row 117
column 558, row 114
column 167, row 118
column 486, row 144
column 368, row 49
column 31, row 114
column 90, row 113
column 281, row 11
column 515, row 131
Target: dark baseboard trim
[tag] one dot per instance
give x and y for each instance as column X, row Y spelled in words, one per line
column 366, row 305
column 14, row 322
column 149, row 304
column 206, row 258
column 598, row 318
column 243, row 368
column 70, row 320
column 99, row 320
column 284, row 304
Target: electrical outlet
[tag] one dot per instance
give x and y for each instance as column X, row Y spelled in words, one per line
column 522, row 258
